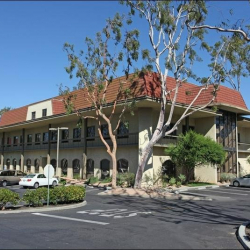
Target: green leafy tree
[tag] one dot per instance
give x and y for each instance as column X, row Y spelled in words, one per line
column 5, row 109
column 194, row 150
column 177, row 34
column 113, row 49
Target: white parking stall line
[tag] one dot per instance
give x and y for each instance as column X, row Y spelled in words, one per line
column 241, row 189
column 238, row 189
column 73, row 219
column 206, row 195
column 216, row 191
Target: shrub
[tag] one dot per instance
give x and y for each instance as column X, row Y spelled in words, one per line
column 92, row 180
column 72, row 193
column 172, row 181
column 182, row 178
column 107, row 180
column 36, row 198
column 8, row 196
column 125, row 179
column 77, row 176
column 178, row 184
column 227, row 177
column 59, row 194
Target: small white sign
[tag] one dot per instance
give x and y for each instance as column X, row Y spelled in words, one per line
column 49, row 171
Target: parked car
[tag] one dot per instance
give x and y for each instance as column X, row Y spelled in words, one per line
column 37, row 180
column 241, row 181
column 10, row 177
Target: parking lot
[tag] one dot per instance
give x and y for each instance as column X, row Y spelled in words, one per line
column 224, row 193
column 117, row 222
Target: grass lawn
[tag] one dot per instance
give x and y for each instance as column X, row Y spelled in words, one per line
column 197, row 184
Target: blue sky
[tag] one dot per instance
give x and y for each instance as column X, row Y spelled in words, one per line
column 32, row 34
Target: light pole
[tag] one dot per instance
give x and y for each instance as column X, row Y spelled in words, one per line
column 58, row 137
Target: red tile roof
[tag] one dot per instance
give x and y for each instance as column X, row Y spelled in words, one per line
column 57, row 106
column 14, row 116
column 145, row 85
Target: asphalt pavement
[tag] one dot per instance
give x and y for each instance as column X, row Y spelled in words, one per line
column 115, row 222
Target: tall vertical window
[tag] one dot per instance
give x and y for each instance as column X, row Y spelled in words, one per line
column 33, row 115
column 29, row 139
column 45, row 137
column 53, row 136
column 76, row 134
column 14, row 163
column 123, row 129
column 91, row 132
column 65, row 135
column 76, row 167
column 64, row 166
column 37, row 164
column 8, row 163
column 44, row 112
column 105, row 131
column 37, row 138
column 28, row 164
column 15, row 140
column 8, row 141
column 170, row 126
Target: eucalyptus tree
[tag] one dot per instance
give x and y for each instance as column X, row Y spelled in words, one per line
column 3, row 110
column 113, row 49
column 177, row 34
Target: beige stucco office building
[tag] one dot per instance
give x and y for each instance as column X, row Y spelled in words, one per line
column 28, row 143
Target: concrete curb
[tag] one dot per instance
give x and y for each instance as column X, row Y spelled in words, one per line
column 243, row 238
column 45, row 209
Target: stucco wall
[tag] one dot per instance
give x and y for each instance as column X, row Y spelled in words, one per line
column 244, row 165
column 38, row 109
column 207, row 127
column 244, row 134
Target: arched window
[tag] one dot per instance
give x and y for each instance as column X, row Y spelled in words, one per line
column 53, row 163
column 90, row 168
column 37, row 164
column 105, row 168
column 28, row 164
column 14, row 164
column 64, row 166
column 168, row 168
column 76, row 168
column 8, row 163
column 122, row 166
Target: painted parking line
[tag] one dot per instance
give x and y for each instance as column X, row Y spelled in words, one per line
column 216, row 191
column 206, row 195
column 238, row 188
column 74, row 219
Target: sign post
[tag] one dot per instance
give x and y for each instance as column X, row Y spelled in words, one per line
column 49, row 172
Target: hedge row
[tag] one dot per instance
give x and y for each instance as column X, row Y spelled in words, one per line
column 57, row 195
